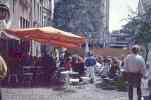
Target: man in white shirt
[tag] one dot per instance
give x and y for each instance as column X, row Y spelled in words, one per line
column 134, row 66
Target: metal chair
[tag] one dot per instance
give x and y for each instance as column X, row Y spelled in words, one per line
column 27, row 75
column 13, row 77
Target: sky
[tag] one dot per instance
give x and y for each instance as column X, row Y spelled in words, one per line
column 119, row 11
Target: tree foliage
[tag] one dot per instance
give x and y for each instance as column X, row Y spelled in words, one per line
column 139, row 27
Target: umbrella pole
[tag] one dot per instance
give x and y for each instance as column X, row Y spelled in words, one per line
column 86, row 48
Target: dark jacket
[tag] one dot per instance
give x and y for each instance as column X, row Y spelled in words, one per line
column 90, row 61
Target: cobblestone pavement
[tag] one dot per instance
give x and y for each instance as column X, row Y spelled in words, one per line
column 87, row 92
column 82, row 92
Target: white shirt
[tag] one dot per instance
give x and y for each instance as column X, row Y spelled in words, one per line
column 134, row 63
column 106, row 68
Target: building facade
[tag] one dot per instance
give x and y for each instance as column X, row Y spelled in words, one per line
column 120, row 40
column 26, row 14
column 84, row 17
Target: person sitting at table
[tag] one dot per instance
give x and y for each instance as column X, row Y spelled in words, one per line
column 114, row 68
column 80, row 65
column 68, row 64
column 49, row 67
column 75, row 63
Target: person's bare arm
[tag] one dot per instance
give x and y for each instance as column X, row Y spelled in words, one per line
column 3, row 69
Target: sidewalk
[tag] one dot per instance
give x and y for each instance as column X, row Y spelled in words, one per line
column 82, row 92
column 88, row 92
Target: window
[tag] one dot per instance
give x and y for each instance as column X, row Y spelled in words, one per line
column 24, row 23
column 120, row 38
column 38, row 11
column 21, row 22
column 41, row 14
column 34, row 7
column 13, row 6
column 27, row 24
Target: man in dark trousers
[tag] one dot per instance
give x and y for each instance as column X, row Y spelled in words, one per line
column 134, row 66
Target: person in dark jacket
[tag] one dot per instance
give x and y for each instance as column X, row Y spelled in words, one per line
column 90, row 62
column 78, row 64
column 68, row 64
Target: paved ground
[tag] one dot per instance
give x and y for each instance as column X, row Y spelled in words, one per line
column 88, row 92
column 83, row 92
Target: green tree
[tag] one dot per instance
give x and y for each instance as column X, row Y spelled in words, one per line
column 140, row 28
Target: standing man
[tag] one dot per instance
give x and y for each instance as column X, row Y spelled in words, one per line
column 90, row 62
column 134, row 66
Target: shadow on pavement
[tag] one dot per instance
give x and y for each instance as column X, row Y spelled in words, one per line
column 58, row 88
column 44, row 85
column 69, row 91
column 64, row 89
column 105, row 86
column 110, row 86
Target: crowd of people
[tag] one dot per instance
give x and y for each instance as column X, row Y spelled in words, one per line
column 132, row 67
column 91, row 64
column 72, row 62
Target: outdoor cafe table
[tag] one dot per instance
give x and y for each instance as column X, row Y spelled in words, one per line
column 67, row 74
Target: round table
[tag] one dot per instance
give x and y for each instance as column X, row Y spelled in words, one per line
column 68, row 73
